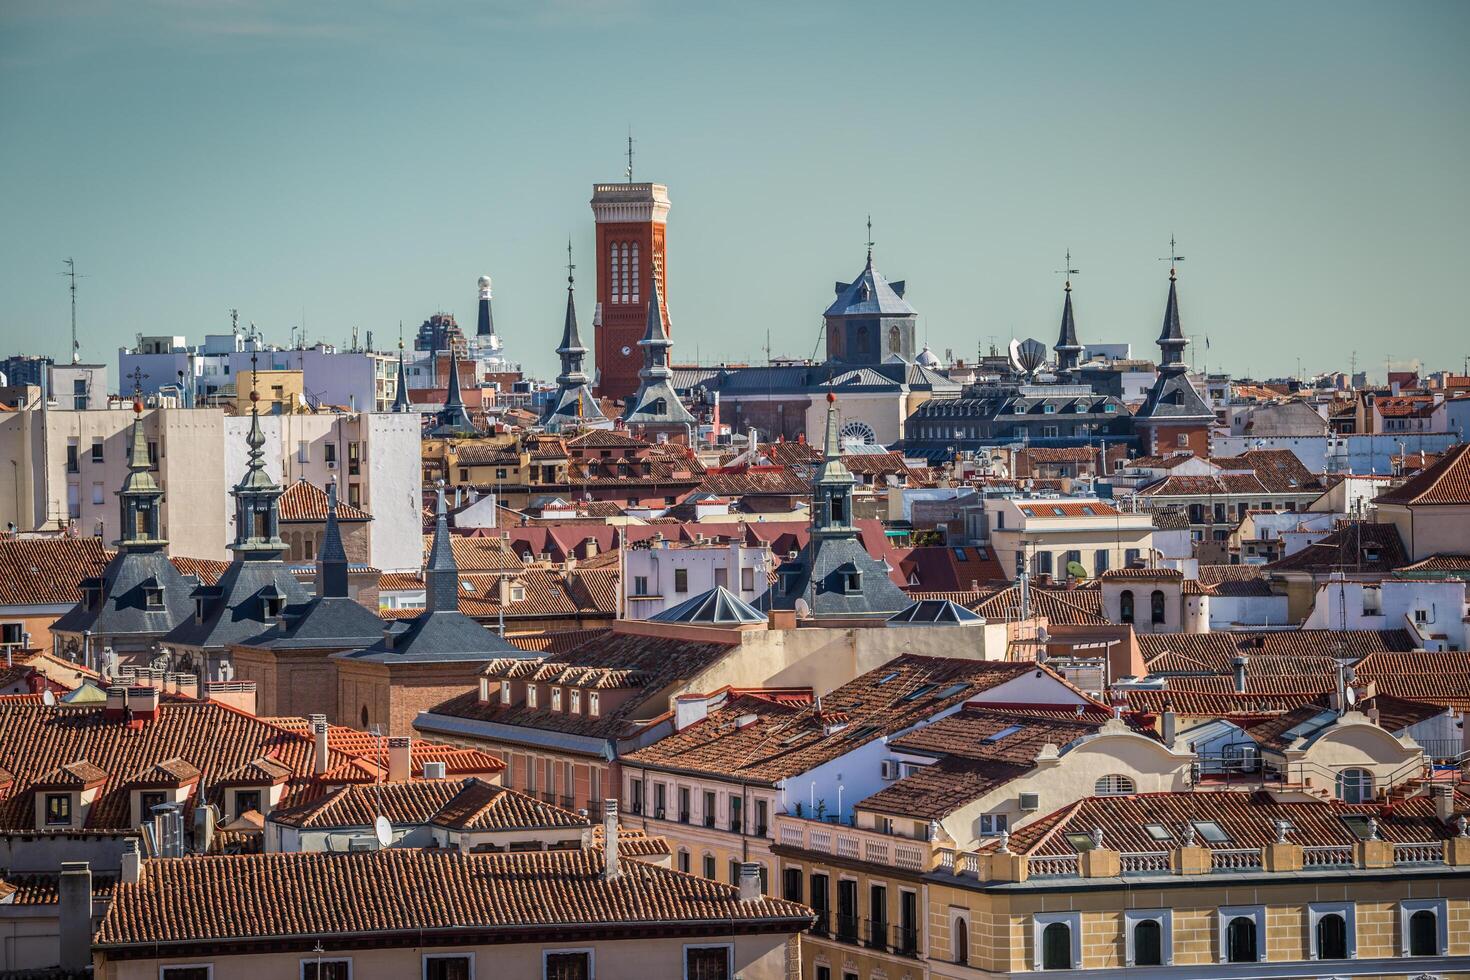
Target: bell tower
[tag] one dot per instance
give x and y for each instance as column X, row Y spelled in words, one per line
column 631, row 221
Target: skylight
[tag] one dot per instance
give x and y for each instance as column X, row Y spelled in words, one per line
column 887, row 678
column 1359, row 825
column 1003, row 733
column 1158, row 831
column 1080, row 842
column 918, row 692
column 1211, row 831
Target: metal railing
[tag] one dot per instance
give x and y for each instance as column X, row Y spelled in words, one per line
column 876, row 934
column 847, row 928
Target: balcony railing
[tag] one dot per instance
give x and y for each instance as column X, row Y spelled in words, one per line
column 854, row 843
column 683, row 816
column 1236, row 859
column 1051, row 865
column 1327, row 856
column 1144, row 862
column 1418, row 853
column 847, row 928
column 876, row 934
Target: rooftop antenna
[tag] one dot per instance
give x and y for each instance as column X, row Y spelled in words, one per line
column 71, row 273
column 235, row 322
column 630, row 154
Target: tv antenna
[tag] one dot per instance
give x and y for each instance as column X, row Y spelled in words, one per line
column 72, row 274
column 630, row 155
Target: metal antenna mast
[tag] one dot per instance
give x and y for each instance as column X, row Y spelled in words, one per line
column 630, row 155
column 71, row 273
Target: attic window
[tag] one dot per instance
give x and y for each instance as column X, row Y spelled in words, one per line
column 918, row 692
column 576, row 701
column 505, row 692
column 1088, row 511
column 1058, row 512
column 272, row 607
column 530, row 695
column 1005, row 732
column 1109, row 409
column 1080, row 842
column 864, row 732
column 467, row 585
column 1370, row 554
column 592, row 706
column 951, row 691
column 1211, row 832
column 1359, row 825
column 153, row 597
column 1158, row 831
column 517, row 593
column 887, row 678
column 852, row 582
column 556, row 699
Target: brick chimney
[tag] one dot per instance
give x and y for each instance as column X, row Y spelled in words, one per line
column 400, row 758
column 750, row 882
column 610, row 839
column 75, row 911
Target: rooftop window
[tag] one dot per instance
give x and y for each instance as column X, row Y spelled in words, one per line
column 1158, row 831
column 1211, row 832
column 1005, row 732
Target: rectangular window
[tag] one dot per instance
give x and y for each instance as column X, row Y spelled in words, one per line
column 747, row 579
column 556, row 699
column 681, row 580
column 660, row 802
column 96, row 450
column 97, row 494
column 449, row 966
column 709, row 808
column 71, row 458
column 709, row 866
column 683, row 804
column 330, row 452
column 592, row 706
column 761, row 818
column 204, row 972
column 737, row 816
column 791, row 886
column 635, row 790
column 325, row 969
column 246, row 801
column 640, row 585
column 576, row 698
column 58, row 809
column 567, row 964
column 734, row 872
column 707, row 962
column 991, row 824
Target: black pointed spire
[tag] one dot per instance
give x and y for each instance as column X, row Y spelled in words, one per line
column 441, row 574
column 332, row 560
column 257, row 518
column 655, row 402
column 453, row 417
column 400, row 397
column 140, row 496
column 1171, row 339
column 1067, row 348
column 571, row 350
column 485, row 326
column 833, row 483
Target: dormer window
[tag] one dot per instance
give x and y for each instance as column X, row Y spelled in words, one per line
column 517, row 593
column 852, row 582
column 505, row 692
column 556, row 699
column 593, row 708
column 530, row 695
column 58, row 809
column 272, row 607
column 153, row 596
column 576, row 699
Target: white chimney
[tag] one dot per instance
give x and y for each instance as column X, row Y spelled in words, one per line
column 750, row 882
column 400, row 758
column 610, row 839
column 1170, row 726
column 1444, row 802
column 132, row 862
column 319, row 733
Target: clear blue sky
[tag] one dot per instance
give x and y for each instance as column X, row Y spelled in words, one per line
column 362, row 163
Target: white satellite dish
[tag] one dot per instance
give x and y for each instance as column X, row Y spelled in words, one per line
column 48, row 698
column 1352, row 697
column 383, row 830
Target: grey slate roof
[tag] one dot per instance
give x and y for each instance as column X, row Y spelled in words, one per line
column 123, row 610
column 326, row 623
column 717, row 607
column 816, row 575
column 573, row 402
column 655, row 402
column 870, row 295
column 235, row 607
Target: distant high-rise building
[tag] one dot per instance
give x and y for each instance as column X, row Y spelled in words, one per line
column 631, row 221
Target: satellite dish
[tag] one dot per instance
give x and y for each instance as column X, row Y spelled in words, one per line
column 1013, row 354
column 48, row 698
column 383, row 830
column 1352, row 697
column 1076, row 569
column 1031, row 355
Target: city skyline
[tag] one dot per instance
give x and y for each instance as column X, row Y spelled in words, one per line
column 1316, row 199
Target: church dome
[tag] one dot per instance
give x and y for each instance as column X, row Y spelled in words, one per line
column 928, row 358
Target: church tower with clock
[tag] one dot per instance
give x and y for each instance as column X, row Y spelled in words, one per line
column 631, row 220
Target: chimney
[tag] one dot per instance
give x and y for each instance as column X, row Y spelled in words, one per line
column 205, row 819
column 610, row 839
column 1170, row 726
column 144, row 703
column 1444, row 802
column 591, row 547
column 75, row 888
column 750, row 882
column 132, row 862
column 1240, row 662
column 117, row 703
column 319, row 734
column 400, row 758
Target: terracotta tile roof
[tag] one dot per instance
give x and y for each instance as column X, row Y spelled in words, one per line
column 1161, row 462
column 1068, row 508
column 605, row 439
column 791, row 453
column 468, row 804
column 778, row 481
column 480, row 554
column 1141, row 574
column 421, row 892
column 1065, row 454
column 548, row 592
column 1439, row 563
column 554, row 643
column 1248, row 819
column 400, row 582
column 783, row 740
column 1395, row 714
column 1235, row 580
column 1063, row 607
column 935, row 791
column 47, row 571
column 206, row 570
column 647, row 665
column 1218, row 703
column 1216, row 652
column 1446, row 482
column 875, row 464
column 44, row 889
column 1405, row 406
column 1278, row 470
column 1436, row 677
column 76, row 775
column 304, row 501
column 368, row 752
column 1358, row 546
column 941, row 568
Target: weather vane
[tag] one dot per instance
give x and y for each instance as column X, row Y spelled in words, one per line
column 570, row 267
column 137, row 377
column 1173, row 258
column 1069, row 272
column 870, row 236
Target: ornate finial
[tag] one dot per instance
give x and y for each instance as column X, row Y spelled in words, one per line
column 1373, row 828
column 138, row 377
column 1097, row 837
column 570, row 266
column 1462, row 826
column 870, row 237
column 1189, row 835
column 1005, row 841
column 254, row 372
column 1173, row 258
column 1068, row 271
column 400, row 335
column 1283, row 827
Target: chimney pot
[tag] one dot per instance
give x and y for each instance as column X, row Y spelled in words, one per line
column 132, row 862
column 610, row 868
column 1444, row 802
column 750, row 882
column 400, row 758
column 319, row 756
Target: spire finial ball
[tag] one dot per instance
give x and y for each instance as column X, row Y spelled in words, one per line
column 831, row 398
column 255, row 396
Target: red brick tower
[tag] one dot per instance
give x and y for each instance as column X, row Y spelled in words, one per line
column 631, row 219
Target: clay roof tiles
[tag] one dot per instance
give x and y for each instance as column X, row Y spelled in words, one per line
column 1446, row 482
column 47, row 571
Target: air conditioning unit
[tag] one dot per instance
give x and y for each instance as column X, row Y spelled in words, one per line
column 433, row 770
column 331, row 464
column 1030, row 801
column 890, row 769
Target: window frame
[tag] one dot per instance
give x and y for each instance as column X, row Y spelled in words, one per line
column 1165, row 919
column 591, row 952
column 1227, row 914
column 729, row 949
column 1316, row 911
column 1039, row 922
column 424, row 959
column 208, row 969
column 71, row 808
column 1407, row 908
column 324, row 960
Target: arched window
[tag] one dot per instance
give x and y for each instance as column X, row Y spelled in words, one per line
column 1056, row 947
column 1332, row 943
column 1148, row 943
column 1125, row 605
column 1156, row 606
column 1114, row 784
column 1240, row 940
column 858, row 431
column 961, row 934
column 1355, row 786
column 1423, row 934
column 364, row 717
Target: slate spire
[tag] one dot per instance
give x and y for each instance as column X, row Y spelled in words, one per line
column 1171, row 339
column 1067, row 348
column 833, row 483
column 453, row 417
column 400, row 398
column 441, row 574
column 140, row 496
column 571, row 350
column 332, row 560
column 656, row 343
column 257, row 517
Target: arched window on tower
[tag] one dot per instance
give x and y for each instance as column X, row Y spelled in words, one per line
column 636, row 276
column 1156, row 606
column 1125, row 605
